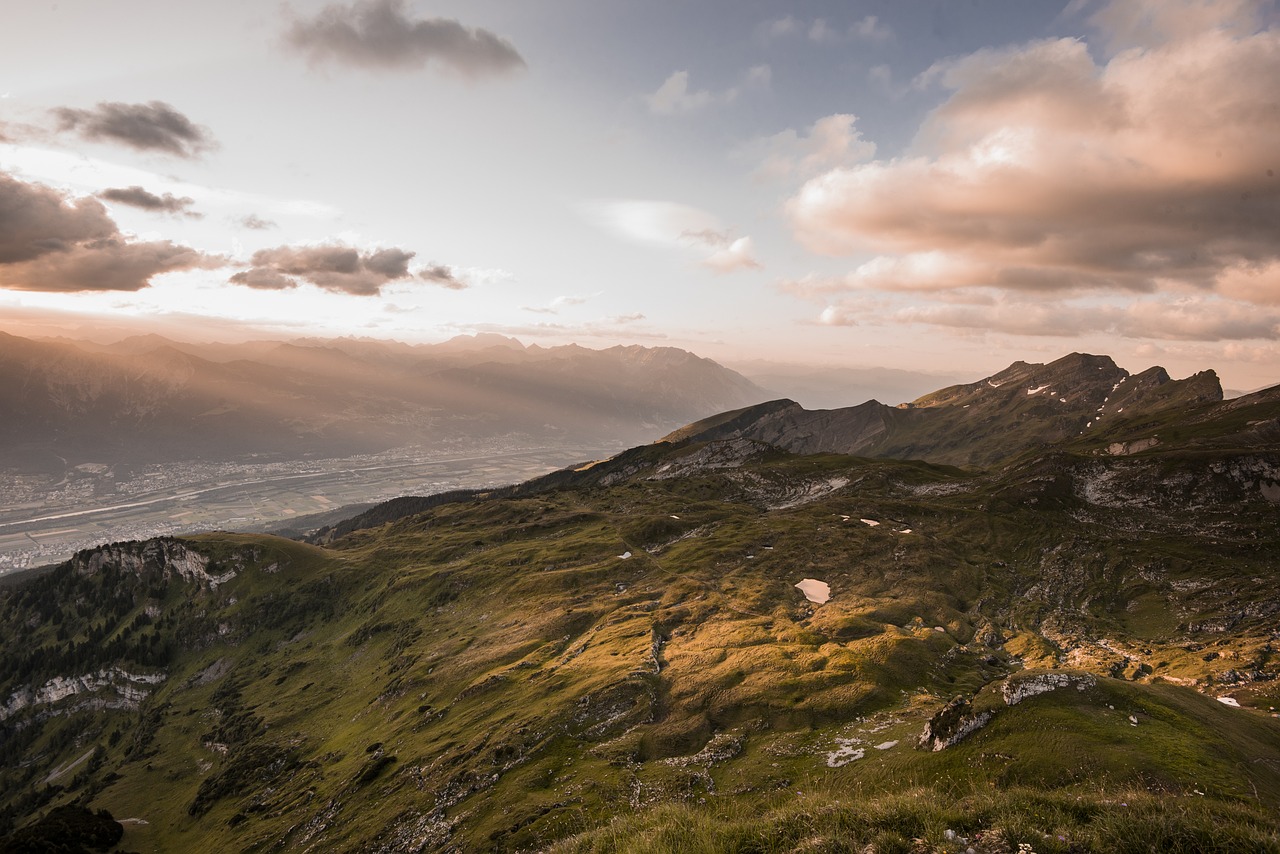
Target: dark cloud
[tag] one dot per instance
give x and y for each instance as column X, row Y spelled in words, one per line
column 49, row 242
column 333, row 267
column 139, row 197
column 377, row 34
column 439, row 274
column 257, row 223
column 154, row 126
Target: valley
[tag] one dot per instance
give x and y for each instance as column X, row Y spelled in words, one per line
column 46, row 518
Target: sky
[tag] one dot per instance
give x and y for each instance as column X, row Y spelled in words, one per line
column 928, row 185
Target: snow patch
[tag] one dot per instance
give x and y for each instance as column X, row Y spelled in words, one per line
column 1037, row 390
column 845, row 753
column 1230, row 701
column 814, row 590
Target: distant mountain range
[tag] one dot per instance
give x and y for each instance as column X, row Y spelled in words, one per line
column 152, row 399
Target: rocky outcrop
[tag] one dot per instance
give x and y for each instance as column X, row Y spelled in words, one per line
column 166, row 556
column 1015, row 691
column 957, row 720
column 129, row 690
column 953, row 723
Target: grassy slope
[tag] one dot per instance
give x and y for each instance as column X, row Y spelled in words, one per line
column 491, row 675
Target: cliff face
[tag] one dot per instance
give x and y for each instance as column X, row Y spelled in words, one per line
column 167, row 557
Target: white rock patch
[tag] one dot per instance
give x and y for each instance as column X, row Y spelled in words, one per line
column 1230, row 701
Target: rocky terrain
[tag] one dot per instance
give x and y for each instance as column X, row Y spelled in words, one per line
column 1071, row 651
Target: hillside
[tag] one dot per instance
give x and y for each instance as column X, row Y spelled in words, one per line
column 148, row 400
column 993, row 420
column 1072, row 653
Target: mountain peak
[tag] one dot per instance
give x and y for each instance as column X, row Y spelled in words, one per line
column 480, row 341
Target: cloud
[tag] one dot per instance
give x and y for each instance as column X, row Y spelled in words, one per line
column 870, row 28
column 674, row 96
column 820, row 31
column 657, row 222
column 331, row 267
column 139, row 197
column 378, row 35
column 738, row 255
column 1046, row 170
column 556, row 304
column 780, row 27
column 154, row 126
column 829, row 142
column 49, row 242
column 676, row 226
column 445, row 277
column 256, row 223
column 1185, row 319
column 1151, row 23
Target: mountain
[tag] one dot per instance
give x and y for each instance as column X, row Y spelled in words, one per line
column 977, row 424
column 152, row 400
column 699, row 645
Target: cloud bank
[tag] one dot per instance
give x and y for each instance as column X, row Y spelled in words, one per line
column 1048, row 172
column 379, row 35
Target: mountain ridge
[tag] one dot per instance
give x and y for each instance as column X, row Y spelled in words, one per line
column 985, row 422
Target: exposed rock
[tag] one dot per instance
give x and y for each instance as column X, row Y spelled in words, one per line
column 1015, row 691
column 125, row 684
column 714, row 455
column 952, row 724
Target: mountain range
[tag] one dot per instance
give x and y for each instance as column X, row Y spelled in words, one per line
column 149, row 399
column 1049, row 628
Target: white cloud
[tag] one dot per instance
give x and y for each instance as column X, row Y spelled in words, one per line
column 674, row 97
column 822, row 31
column 737, row 255
column 829, row 142
column 675, row 226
